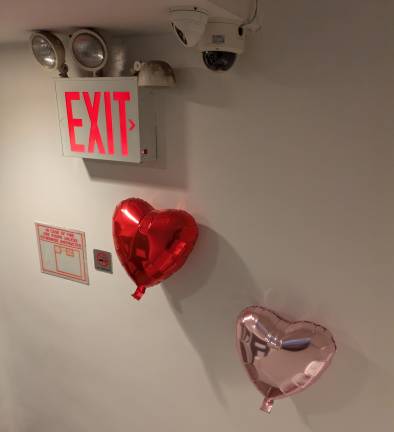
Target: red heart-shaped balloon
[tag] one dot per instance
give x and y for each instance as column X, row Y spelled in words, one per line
column 151, row 244
column 282, row 357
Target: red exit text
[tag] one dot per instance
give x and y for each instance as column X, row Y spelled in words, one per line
column 93, row 106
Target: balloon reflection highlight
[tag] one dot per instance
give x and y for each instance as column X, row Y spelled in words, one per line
column 130, row 216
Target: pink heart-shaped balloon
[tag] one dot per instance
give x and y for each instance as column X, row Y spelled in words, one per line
column 281, row 357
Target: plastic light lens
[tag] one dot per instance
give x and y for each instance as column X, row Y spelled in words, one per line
column 44, row 52
column 89, row 51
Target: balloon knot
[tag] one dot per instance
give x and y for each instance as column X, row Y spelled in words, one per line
column 139, row 292
column 267, row 405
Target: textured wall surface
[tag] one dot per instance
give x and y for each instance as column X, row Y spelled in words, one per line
column 287, row 164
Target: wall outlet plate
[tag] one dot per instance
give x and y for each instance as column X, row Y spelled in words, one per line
column 102, row 261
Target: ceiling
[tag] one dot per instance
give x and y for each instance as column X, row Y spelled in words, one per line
column 18, row 17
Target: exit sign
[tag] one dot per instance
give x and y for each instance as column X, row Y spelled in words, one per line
column 106, row 118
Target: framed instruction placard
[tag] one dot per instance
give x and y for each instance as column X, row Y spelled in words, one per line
column 62, row 252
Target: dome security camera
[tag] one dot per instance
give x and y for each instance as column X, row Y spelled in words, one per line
column 222, row 41
column 188, row 24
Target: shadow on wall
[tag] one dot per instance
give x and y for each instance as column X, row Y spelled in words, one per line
column 350, row 375
column 206, row 297
column 171, row 167
column 343, row 382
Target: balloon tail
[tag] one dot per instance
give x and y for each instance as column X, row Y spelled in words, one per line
column 267, row 405
column 139, row 292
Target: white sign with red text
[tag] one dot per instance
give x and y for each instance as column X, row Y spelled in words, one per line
column 62, row 252
column 106, row 118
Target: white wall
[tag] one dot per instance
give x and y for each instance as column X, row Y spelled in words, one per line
column 287, row 164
